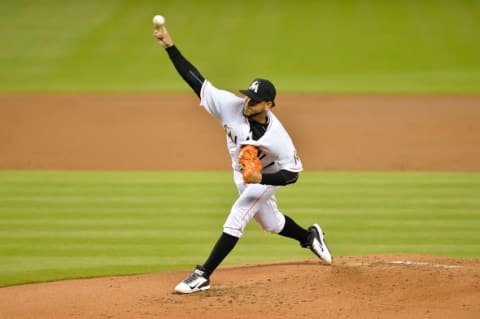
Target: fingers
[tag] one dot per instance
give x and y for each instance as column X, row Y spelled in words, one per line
column 161, row 38
column 161, row 34
column 158, row 34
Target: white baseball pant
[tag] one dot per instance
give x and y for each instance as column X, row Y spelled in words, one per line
column 255, row 201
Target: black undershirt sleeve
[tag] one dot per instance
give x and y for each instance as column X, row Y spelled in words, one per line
column 188, row 72
column 279, row 178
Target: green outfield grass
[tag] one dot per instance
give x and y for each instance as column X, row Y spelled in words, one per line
column 374, row 46
column 56, row 225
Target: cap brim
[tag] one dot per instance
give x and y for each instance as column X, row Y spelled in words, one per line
column 251, row 95
column 254, row 96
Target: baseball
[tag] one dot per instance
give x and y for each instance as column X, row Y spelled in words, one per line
column 158, row 20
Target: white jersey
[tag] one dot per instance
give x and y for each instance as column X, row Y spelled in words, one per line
column 277, row 151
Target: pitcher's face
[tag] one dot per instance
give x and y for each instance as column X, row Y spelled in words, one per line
column 253, row 108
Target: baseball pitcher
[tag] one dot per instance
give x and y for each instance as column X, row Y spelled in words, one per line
column 263, row 159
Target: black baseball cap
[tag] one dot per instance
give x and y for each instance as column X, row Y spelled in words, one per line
column 261, row 90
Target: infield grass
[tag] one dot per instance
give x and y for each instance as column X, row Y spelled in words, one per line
column 374, row 46
column 56, row 225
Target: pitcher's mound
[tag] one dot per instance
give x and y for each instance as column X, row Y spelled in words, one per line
column 394, row 286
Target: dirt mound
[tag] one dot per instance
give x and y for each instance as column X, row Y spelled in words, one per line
column 394, row 286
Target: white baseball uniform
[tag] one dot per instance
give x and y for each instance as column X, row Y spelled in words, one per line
column 277, row 152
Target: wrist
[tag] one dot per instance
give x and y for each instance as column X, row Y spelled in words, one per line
column 255, row 178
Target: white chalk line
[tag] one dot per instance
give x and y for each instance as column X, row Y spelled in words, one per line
column 419, row 263
column 407, row 263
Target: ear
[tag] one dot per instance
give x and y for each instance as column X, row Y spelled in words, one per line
column 268, row 105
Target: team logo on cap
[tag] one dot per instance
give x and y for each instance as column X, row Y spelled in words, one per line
column 254, row 86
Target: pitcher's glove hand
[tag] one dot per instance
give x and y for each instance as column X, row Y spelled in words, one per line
column 251, row 167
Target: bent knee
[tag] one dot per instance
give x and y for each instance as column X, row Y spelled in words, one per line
column 271, row 225
column 274, row 229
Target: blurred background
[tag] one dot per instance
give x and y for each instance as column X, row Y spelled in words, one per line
column 360, row 46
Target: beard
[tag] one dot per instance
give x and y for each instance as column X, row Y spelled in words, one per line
column 252, row 114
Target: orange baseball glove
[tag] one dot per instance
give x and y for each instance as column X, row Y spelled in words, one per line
column 249, row 162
